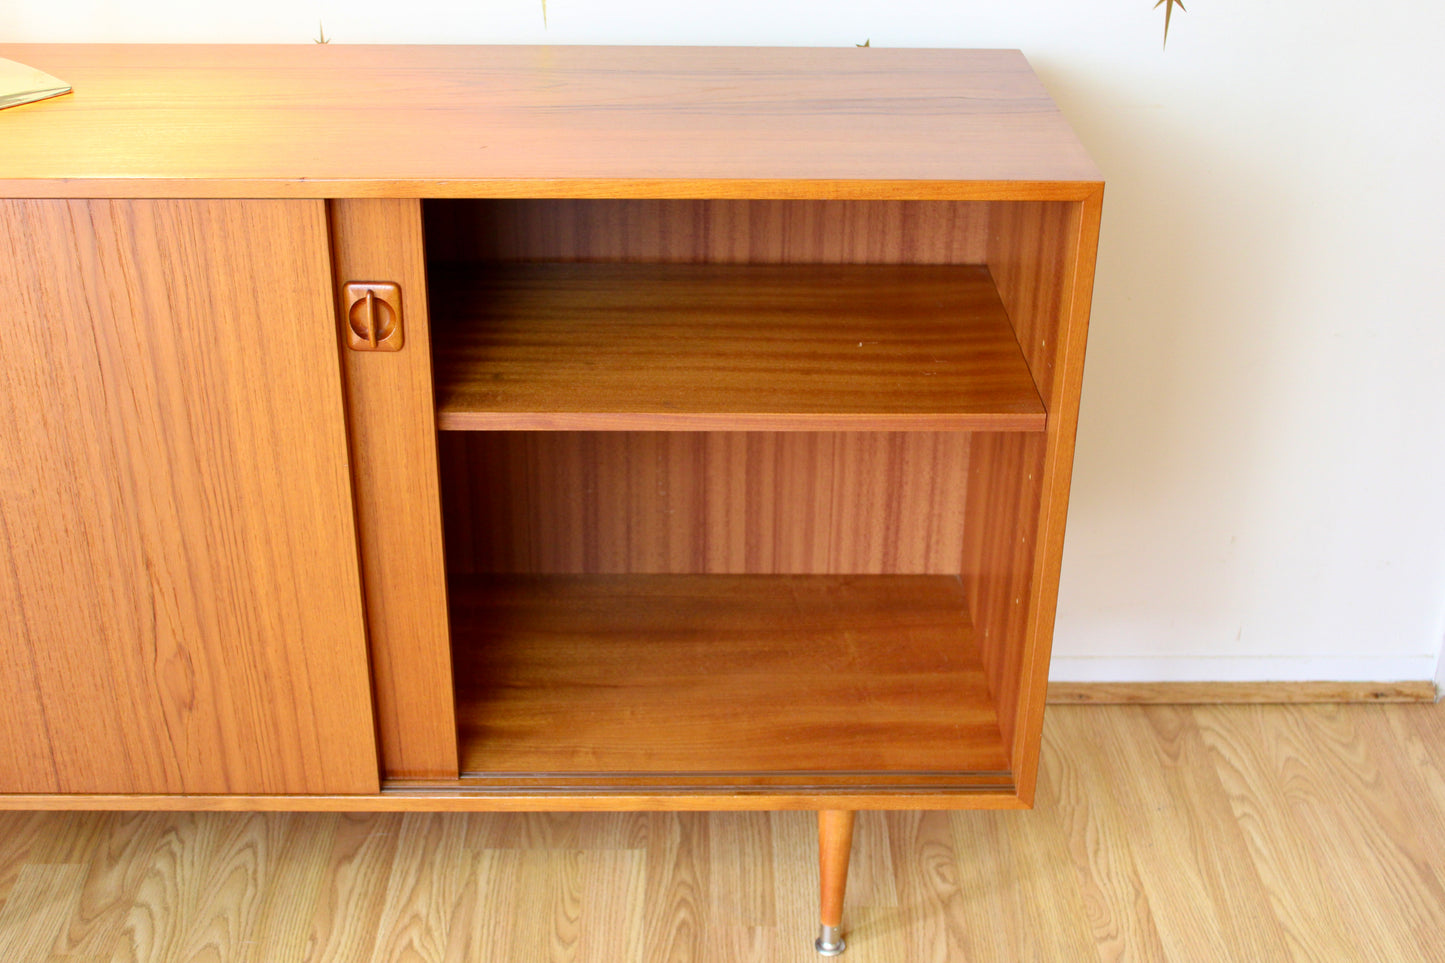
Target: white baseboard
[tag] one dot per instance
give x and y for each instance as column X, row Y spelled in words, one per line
column 1241, row 669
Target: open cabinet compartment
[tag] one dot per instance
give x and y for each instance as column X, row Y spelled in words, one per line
column 738, row 496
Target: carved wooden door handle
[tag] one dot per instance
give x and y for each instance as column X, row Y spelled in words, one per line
column 373, row 315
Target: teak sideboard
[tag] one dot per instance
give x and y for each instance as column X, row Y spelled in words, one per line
column 535, row 428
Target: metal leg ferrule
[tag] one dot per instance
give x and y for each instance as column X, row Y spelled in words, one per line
column 829, row 941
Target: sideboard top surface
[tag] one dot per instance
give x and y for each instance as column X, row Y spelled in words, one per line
column 507, row 121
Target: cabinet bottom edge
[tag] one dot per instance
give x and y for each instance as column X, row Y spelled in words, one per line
column 464, row 800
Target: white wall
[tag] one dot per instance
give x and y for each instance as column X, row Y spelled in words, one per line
column 1260, row 483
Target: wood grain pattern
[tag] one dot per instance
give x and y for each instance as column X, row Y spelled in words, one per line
column 357, row 867
column 1026, row 251
column 1270, row 789
column 708, row 231
column 348, row 121
column 113, row 852
column 835, row 846
column 930, row 875
column 1000, row 537
column 677, row 866
column 1032, row 248
column 591, row 908
column 1325, row 806
column 424, row 891
column 740, row 877
column 760, row 503
column 40, row 905
column 795, row 872
column 17, row 842
column 178, row 573
column 872, row 875
column 727, row 347
column 604, row 676
column 291, row 886
column 1196, row 853
column 1039, row 918
column 389, row 405
column 203, row 895
column 1237, row 693
column 1418, row 733
column 1394, row 832
column 1097, row 823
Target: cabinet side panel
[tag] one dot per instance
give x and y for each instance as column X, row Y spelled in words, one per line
column 394, row 461
column 1042, row 255
column 177, row 553
column 1028, row 243
column 705, row 502
column 716, row 232
column 1000, row 535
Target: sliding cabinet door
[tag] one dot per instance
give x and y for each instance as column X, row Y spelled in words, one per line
column 180, row 603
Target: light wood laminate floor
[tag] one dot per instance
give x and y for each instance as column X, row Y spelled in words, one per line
column 1250, row 833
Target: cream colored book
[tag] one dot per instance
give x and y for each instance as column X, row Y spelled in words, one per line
column 20, row 84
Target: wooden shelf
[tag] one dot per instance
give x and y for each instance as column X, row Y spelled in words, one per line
column 727, row 347
column 755, row 680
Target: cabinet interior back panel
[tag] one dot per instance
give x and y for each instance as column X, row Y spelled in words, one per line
column 817, row 503
column 716, row 231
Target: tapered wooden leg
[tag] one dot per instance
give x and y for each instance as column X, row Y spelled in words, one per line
column 835, row 844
